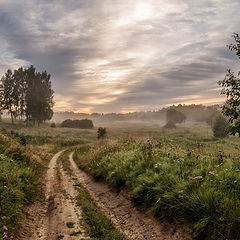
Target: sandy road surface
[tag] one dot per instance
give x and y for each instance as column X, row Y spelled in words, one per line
column 48, row 220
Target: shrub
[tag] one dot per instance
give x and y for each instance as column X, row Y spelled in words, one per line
column 83, row 123
column 53, row 125
column 101, row 133
column 175, row 116
column 220, row 127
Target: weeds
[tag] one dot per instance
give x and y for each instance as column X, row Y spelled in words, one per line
column 98, row 226
column 70, row 224
column 200, row 185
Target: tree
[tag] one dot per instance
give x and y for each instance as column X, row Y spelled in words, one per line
column 173, row 117
column 220, row 127
column 231, row 88
column 101, row 133
column 27, row 93
column 39, row 96
column 7, row 93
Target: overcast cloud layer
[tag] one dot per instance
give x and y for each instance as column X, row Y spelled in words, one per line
column 122, row 55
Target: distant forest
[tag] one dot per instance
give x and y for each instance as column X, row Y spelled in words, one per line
column 198, row 113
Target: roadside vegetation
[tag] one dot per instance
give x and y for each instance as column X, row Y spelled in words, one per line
column 96, row 224
column 192, row 178
column 24, row 156
column 20, row 177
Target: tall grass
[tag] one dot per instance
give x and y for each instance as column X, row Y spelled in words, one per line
column 21, row 169
column 176, row 177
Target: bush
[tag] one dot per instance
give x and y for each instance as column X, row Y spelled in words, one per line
column 53, row 125
column 220, row 127
column 175, row 116
column 101, row 133
column 83, row 123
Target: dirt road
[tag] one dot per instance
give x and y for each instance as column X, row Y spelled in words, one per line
column 57, row 217
column 52, row 218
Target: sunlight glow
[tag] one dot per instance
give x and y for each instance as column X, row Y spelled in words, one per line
column 87, row 110
column 140, row 12
column 125, row 111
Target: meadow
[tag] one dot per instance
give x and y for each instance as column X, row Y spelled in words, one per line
column 183, row 174
column 24, row 156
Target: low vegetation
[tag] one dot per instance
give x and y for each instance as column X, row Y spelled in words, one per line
column 97, row 225
column 220, row 127
column 21, row 173
column 83, row 123
column 193, row 179
column 101, row 133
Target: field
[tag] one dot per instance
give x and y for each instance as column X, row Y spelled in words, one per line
column 184, row 175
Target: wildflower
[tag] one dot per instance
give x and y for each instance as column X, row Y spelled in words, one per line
column 5, row 228
column 196, row 178
column 213, row 173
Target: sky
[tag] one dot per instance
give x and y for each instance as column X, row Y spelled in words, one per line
column 122, row 55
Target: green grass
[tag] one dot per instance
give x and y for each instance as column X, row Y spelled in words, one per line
column 70, row 224
column 20, row 176
column 193, row 179
column 98, row 226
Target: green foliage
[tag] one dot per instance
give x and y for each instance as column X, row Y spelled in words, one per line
column 200, row 185
column 220, row 127
column 231, row 88
column 173, row 117
column 99, row 227
column 27, row 94
column 70, row 224
column 83, row 123
column 53, row 125
column 101, row 133
column 18, row 181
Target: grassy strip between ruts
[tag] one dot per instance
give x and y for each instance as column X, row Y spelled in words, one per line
column 97, row 225
column 201, row 186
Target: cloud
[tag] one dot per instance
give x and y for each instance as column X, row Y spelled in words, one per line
column 116, row 55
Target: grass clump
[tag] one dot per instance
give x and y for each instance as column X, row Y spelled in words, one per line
column 70, row 224
column 200, row 185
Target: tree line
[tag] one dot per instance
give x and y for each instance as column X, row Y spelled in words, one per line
column 27, row 95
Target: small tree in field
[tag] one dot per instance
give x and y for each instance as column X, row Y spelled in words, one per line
column 220, row 127
column 101, row 133
column 173, row 117
column 231, row 88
